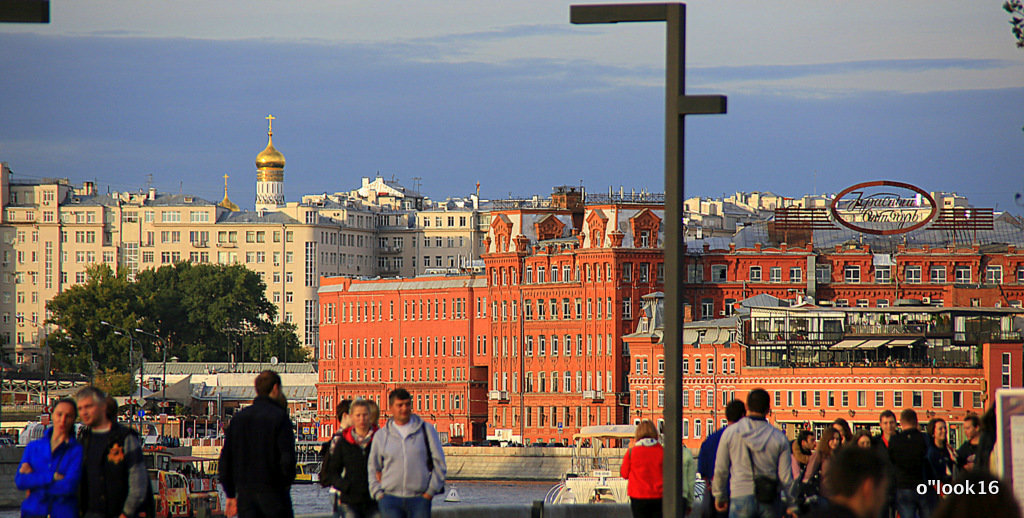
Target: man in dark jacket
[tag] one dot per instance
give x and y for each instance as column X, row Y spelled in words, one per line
column 115, row 483
column 734, row 411
column 257, row 462
column 880, row 443
column 908, row 452
column 347, row 464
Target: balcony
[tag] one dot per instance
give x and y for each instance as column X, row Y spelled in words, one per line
column 226, row 245
column 201, row 244
column 596, row 395
column 388, row 249
column 792, row 337
column 498, row 395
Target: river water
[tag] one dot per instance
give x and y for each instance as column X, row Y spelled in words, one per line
column 313, row 499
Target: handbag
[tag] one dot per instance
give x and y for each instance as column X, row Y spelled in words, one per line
column 766, row 488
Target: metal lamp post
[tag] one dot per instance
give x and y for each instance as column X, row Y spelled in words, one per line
column 131, row 356
column 163, row 384
column 677, row 105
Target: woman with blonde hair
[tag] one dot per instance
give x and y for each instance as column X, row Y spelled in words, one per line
column 642, row 467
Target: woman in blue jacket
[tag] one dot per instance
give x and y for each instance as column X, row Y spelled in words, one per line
column 51, row 467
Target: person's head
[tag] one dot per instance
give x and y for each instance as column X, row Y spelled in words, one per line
column 862, row 439
column 92, row 407
column 830, row 441
column 908, row 419
column 887, row 421
column 342, row 412
column 735, row 411
column 645, row 430
column 758, row 402
column 843, row 428
column 111, row 409
column 360, row 416
column 806, row 441
column 268, row 384
column 374, row 411
column 857, row 479
column 938, row 431
column 63, row 415
column 995, row 504
column 400, row 405
column 972, row 426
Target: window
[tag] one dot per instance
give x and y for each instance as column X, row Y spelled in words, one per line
column 917, row 398
column 993, row 274
column 823, row 273
column 883, row 274
column 912, row 273
column 937, row 274
column 627, row 308
column 1006, row 366
column 696, row 365
column 627, row 272
column 718, row 272
column 775, row 274
column 897, row 399
column 879, row 398
column 851, row 273
column 796, row 274
column 755, row 273
column 937, row 399
column 962, row 274
column 958, row 399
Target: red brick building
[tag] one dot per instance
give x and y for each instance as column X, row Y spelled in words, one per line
column 423, row 334
column 540, row 334
column 824, row 363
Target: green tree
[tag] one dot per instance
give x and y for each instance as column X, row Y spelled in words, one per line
column 200, row 312
column 114, row 383
column 1016, row 10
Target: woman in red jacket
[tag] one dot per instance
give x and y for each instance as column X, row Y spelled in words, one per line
column 642, row 468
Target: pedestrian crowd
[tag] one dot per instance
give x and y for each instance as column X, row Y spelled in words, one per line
column 389, row 472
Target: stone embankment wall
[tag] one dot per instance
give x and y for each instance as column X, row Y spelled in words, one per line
column 494, row 463
column 10, row 456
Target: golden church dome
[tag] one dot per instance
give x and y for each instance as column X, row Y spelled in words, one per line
column 226, row 202
column 270, row 157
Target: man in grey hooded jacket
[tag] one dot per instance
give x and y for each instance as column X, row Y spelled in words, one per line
column 753, row 439
column 406, row 465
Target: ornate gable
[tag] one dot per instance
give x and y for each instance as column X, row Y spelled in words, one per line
column 645, row 225
column 501, row 227
column 549, row 228
column 597, row 224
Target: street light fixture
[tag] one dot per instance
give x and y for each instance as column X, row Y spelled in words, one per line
column 131, row 357
column 677, row 106
column 163, row 384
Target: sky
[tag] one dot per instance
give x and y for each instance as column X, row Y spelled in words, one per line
column 821, row 95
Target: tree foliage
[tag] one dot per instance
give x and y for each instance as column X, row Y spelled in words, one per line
column 200, row 312
column 1016, row 10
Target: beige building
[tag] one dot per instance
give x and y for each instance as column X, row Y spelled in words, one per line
column 51, row 232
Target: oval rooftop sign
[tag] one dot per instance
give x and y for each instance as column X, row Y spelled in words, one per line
column 884, row 208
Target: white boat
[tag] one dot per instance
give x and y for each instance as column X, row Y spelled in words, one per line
column 590, row 478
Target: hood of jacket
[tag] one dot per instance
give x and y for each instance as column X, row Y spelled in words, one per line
column 414, row 420
column 757, row 432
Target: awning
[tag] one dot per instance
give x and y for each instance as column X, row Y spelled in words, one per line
column 847, row 344
column 903, row 342
column 872, row 344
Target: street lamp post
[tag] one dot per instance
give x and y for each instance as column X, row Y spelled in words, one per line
column 131, row 357
column 163, row 384
column 677, row 105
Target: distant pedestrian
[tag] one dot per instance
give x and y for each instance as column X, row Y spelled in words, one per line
column 862, row 439
column 908, row 451
column 406, row 467
column 734, row 411
column 941, row 454
column 115, row 483
column 803, row 447
column 753, row 472
column 642, row 469
column 843, row 427
column 887, row 423
column 347, row 464
column 342, row 413
column 51, row 467
column 257, row 461
column 857, row 486
column 966, row 453
column 813, row 481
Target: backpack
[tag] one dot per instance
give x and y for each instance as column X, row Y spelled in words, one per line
column 326, row 478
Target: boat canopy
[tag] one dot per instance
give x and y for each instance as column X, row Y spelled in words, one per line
column 615, row 431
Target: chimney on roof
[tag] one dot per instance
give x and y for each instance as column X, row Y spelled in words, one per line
column 152, row 194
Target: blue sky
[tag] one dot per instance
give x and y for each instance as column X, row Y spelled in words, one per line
column 511, row 95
